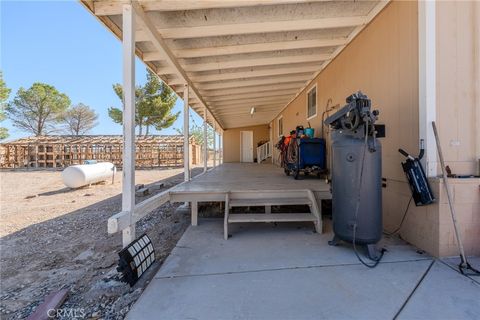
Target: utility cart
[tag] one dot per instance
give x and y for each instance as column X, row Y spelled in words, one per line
column 305, row 155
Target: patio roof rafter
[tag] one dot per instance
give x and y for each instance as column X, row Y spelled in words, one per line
column 256, row 83
column 258, row 47
column 114, row 7
column 256, row 27
column 252, row 101
column 246, row 90
column 247, row 107
column 258, row 96
column 162, row 47
column 254, row 73
column 235, row 54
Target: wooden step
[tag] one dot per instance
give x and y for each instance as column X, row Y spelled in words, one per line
column 269, row 202
column 270, row 217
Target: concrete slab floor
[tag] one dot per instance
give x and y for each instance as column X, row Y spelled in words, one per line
column 453, row 262
column 284, row 272
column 203, row 250
column 444, row 294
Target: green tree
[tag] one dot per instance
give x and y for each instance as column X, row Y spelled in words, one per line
column 37, row 109
column 153, row 105
column 196, row 131
column 4, row 93
column 79, row 119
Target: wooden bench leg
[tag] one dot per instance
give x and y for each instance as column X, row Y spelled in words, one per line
column 194, row 208
column 268, row 209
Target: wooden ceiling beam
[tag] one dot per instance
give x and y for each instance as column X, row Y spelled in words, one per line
column 254, row 122
column 258, row 47
column 114, row 7
column 232, row 97
column 245, row 63
column 255, row 27
column 161, row 46
column 241, row 62
column 252, row 102
column 273, row 105
column 254, row 73
column 245, row 112
column 253, row 83
column 252, row 89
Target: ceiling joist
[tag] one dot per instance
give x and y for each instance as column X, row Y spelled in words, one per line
column 258, row 47
column 248, row 107
column 252, row 102
column 245, row 63
column 239, row 57
column 114, row 7
column 162, row 47
column 254, row 73
column 254, row 27
column 253, row 83
column 234, row 97
column 250, row 90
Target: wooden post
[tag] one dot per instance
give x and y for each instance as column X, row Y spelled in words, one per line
column 205, row 140
column 128, row 183
column 36, row 155
column 214, row 145
column 194, row 209
column 186, row 144
column 220, row 146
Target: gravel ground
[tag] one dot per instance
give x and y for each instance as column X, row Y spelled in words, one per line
column 53, row 237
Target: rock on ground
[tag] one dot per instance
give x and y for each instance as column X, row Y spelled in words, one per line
column 59, row 240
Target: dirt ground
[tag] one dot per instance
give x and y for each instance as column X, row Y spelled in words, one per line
column 53, row 237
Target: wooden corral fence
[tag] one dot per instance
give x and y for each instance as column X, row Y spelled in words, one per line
column 58, row 151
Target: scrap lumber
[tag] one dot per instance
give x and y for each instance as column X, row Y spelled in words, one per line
column 52, row 302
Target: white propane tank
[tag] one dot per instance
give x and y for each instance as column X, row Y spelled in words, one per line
column 84, row 174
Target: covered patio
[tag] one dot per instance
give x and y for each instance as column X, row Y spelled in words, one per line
column 258, row 69
column 287, row 271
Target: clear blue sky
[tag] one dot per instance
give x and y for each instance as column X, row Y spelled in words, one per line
column 62, row 44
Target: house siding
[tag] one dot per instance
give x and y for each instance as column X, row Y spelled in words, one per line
column 231, row 145
column 383, row 62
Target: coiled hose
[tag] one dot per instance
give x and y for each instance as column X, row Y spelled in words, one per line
column 292, row 151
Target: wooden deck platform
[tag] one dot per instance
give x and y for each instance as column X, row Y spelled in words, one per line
column 228, row 177
column 251, row 182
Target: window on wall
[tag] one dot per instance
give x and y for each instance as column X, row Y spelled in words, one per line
column 280, row 126
column 312, row 102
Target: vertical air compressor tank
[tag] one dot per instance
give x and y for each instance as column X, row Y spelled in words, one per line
column 347, row 156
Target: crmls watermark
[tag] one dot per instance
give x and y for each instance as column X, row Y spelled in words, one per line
column 69, row 313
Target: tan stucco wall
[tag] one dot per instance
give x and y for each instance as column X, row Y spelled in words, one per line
column 231, row 141
column 458, row 105
column 458, row 119
column 383, row 62
column 458, row 122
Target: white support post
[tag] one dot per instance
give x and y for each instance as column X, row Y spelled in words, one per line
column 271, row 142
column 128, row 182
column 220, row 146
column 186, row 133
column 476, row 33
column 214, row 145
column 427, row 83
column 205, row 141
